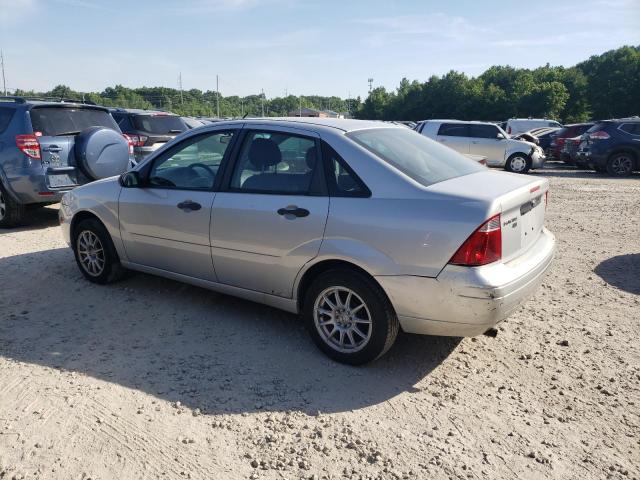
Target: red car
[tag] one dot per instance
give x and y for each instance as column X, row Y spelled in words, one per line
column 554, row 152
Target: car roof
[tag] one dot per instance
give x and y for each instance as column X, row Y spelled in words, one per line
column 475, row 122
column 15, row 100
column 140, row 111
column 312, row 123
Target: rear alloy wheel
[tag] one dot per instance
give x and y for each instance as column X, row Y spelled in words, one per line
column 518, row 163
column 349, row 317
column 95, row 254
column 620, row 164
column 11, row 212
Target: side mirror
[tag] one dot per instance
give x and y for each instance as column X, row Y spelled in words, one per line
column 130, row 179
column 500, row 136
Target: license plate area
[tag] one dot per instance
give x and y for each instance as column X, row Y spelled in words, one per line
column 61, row 180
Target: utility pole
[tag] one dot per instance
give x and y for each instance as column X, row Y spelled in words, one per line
column 4, row 80
column 370, row 84
column 180, row 85
column 349, row 105
column 300, row 111
column 242, row 106
column 262, row 100
column 217, row 98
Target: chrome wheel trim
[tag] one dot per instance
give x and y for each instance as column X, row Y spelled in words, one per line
column 3, row 206
column 90, row 253
column 621, row 164
column 342, row 319
column 518, row 164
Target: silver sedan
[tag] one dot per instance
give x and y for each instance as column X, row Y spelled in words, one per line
column 363, row 228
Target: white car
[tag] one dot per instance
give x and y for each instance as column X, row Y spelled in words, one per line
column 521, row 125
column 485, row 139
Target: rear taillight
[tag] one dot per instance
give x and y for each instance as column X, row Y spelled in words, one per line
column 482, row 161
column 509, row 130
column 482, row 247
column 599, row 135
column 135, row 140
column 29, row 145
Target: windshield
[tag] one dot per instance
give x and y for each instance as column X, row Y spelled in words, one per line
column 424, row 160
column 159, row 124
column 52, row 121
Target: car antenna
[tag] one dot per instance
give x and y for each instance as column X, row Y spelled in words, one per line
column 245, row 115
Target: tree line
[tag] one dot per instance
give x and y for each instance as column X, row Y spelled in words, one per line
column 604, row 86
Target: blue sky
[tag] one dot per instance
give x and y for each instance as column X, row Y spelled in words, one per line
column 299, row 46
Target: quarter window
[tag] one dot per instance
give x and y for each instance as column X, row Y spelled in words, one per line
column 343, row 182
column 5, row 117
column 194, row 165
column 275, row 162
column 453, row 130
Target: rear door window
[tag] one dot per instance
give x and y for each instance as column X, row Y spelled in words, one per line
column 631, row 128
column 484, row 131
column 160, row 124
column 275, row 162
column 54, row 121
column 454, row 130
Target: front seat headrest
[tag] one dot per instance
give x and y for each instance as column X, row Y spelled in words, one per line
column 264, row 153
column 310, row 158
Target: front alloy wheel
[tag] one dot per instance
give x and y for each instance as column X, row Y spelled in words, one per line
column 95, row 254
column 90, row 253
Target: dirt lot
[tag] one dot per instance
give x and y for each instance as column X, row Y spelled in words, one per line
column 149, row 378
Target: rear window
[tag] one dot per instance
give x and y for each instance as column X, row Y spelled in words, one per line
column 159, row 124
column 5, row 118
column 453, row 130
column 52, row 121
column 597, row 126
column 425, row 161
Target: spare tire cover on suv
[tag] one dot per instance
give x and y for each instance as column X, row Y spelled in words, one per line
column 101, row 152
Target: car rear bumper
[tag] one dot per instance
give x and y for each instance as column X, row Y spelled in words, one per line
column 29, row 186
column 464, row 301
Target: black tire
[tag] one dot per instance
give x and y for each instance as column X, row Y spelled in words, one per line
column 12, row 213
column 381, row 331
column 621, row 164
column 514, row 162
column 111, row 270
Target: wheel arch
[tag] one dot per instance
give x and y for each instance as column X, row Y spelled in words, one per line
column 79, row 217
column 313, row 271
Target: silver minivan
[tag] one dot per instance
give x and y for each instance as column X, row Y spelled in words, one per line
column 486, row 139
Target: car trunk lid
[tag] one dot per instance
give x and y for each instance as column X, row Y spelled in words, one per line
column 519, row 199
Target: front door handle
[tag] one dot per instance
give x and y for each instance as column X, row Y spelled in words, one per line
column 189, row 205
column 293, row 210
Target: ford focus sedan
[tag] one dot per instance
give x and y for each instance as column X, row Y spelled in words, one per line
column 363, row 228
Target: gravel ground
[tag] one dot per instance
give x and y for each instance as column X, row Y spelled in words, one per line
column 149, row 378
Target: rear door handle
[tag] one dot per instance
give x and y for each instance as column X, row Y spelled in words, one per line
column 293, row 210
column 189, row 205
column 52, row 148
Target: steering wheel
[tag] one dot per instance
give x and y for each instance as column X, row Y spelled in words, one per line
column 193, row 166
